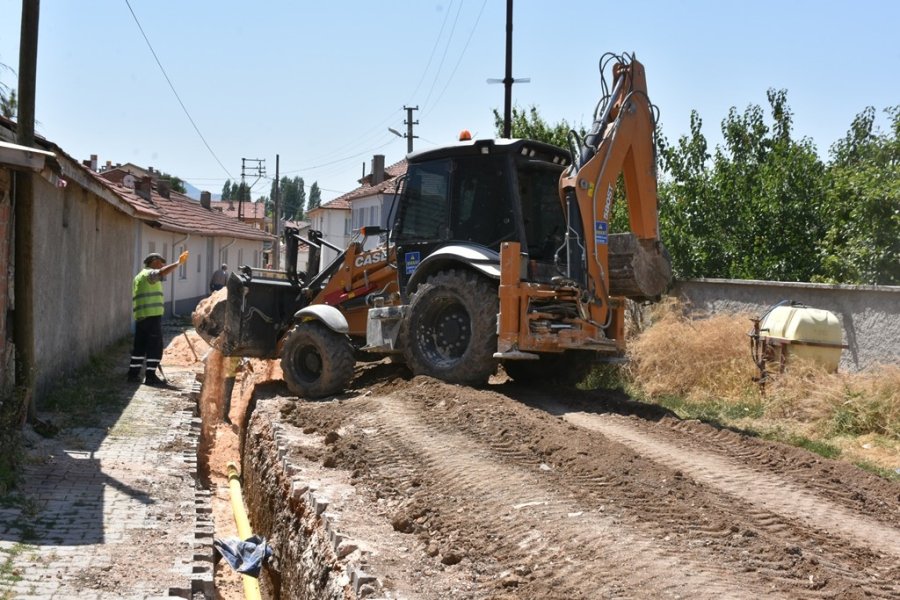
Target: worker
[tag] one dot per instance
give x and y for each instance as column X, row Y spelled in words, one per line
column 147, row 303
column 218, row 279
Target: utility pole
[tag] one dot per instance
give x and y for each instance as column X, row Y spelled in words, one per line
column 508, row 80
column 260, row 173
column 23, row 320
column 276, row 245
column 409, row 127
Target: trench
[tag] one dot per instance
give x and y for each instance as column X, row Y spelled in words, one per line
column 306, row 562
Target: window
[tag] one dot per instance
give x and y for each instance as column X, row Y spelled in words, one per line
column 346, row 225
column 480, row 208
column 224, row 254
column 240, row 257
column 199, row 261
column 424, row 213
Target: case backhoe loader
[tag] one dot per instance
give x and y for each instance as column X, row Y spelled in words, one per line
column 499, row 252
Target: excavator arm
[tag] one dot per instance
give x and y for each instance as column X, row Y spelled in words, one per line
column 621, row 141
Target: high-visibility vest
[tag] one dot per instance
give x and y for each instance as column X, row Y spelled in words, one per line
column 147, row 297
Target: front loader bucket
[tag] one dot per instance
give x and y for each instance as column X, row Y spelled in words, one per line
column 249, row 329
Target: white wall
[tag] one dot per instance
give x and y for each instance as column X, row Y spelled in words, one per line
column 335, row 227
column 190, row 283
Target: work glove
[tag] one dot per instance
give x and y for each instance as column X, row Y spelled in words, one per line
column 183, row 258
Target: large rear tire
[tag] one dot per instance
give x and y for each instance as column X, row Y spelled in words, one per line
column 451, row 333
column 316, row 361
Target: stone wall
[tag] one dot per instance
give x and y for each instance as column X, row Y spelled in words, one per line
column 290, row 504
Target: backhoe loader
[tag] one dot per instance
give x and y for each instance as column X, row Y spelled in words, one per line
column 499, row 252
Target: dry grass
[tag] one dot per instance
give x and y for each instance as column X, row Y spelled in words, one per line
column 696, row 359
column 701, row 367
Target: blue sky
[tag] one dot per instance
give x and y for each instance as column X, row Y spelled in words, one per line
column 320, row 83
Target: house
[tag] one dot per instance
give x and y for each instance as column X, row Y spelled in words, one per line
column 90, row 236
column 169, row 223
column 252, row 213
column 369, row 204
column 333, row 220
column 82, row 260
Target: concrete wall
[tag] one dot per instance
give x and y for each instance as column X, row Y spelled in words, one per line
column 83, row 273
column 869, row 315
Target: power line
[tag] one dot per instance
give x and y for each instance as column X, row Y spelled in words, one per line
column 437, row 41
column 166, row 75
column 444, row 55
column 456, row 66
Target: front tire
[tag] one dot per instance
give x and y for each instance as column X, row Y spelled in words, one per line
column 451, row 332
column 316, row 361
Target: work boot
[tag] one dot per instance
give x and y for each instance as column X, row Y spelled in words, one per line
column 151, row 379
column 134, row 376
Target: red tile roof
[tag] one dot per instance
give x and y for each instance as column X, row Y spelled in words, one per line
column 388, row 186
column 181, row 214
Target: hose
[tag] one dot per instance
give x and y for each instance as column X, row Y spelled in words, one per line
column 251, row 584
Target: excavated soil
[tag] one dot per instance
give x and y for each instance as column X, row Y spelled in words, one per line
column 528, row 492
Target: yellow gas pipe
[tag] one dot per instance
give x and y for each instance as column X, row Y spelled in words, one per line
column 251, row 584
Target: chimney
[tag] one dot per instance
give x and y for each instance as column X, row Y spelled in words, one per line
column 108, row 165
column 94, row 163
column 144, row 187
column 377, row 169
column 163, row 188
column 205, row 198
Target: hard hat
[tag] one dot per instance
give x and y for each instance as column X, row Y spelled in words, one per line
column 224, row 266
column 151, row 257
column 465, row 135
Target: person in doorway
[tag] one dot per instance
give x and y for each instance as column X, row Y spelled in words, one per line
column 147, row 303
column 218, row 279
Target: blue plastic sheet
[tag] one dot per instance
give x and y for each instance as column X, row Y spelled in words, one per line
column 247, row 557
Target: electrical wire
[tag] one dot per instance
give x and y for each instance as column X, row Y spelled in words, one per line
column 443, row 56
column 433, row 50
column 459, row 60
column 172, row 87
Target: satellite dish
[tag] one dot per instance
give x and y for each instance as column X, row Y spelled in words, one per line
column 128, row 181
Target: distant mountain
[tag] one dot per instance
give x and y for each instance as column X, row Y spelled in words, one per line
column 192, row 192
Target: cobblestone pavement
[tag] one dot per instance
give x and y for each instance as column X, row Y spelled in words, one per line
column 113, row 511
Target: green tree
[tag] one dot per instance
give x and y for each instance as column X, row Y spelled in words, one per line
column 862, row 243
column 685, row 199
column 755, row 213
column 175, row 183
column 529, row 124
column 226, row 190
column 315, row 195
column 9, row 104
column 293, row 198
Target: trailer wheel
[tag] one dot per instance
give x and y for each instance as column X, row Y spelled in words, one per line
column 451, row 333
column 565, row 369
column 316, row 361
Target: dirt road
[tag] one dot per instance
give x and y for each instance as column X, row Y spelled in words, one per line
column 513, row 492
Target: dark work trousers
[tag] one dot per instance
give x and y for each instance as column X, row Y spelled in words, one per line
column 148, row 343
